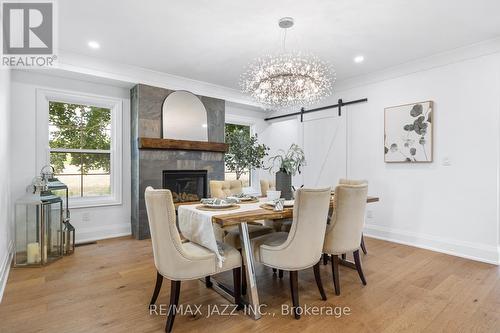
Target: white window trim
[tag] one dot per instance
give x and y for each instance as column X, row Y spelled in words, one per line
column 254, row 174
column 43, row 96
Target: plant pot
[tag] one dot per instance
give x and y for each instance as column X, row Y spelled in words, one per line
column 284, row 184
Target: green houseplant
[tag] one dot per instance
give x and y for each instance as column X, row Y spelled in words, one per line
column 245, row 153
column 287, row 164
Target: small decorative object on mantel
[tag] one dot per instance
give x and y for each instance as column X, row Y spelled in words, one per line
column 288, row 165
column 408, row 133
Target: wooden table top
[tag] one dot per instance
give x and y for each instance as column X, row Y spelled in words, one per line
column 225, row 220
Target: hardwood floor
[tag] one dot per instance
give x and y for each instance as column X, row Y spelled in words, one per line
column 106, row 287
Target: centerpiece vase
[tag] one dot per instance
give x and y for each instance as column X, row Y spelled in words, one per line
column 284, row 184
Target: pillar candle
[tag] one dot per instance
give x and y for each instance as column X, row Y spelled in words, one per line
column 33, row 253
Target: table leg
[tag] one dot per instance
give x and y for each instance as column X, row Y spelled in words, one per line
column 253, row 297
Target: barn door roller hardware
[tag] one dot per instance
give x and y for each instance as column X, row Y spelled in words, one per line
column 303, row 111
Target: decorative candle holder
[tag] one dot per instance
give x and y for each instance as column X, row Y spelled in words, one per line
column 38, row 230
column 59, row 188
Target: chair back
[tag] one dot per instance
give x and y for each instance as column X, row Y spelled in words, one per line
column 167, row 245
column 344, row 181
column 223, row 188
column 267, row 185
column 343, row 234
column 303, row 247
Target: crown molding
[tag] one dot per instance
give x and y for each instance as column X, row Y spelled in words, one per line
column 93, row 66
column 449, row 57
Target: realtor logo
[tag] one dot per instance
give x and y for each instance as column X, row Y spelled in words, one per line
column 28, row 29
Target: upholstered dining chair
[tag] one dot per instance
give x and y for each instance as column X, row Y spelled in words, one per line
column 224, row 188
column 267, row 185
column 301, row 248
column 356, row 182
column 178, row 261
column 343, row 234
column 231, row 235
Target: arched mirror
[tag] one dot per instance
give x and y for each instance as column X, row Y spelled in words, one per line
column 184, row 117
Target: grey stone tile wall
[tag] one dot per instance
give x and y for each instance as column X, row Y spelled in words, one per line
column 147, row 165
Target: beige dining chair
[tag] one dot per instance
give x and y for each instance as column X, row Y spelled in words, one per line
column 224, row 188
column 178, row 261
column 356, row 182
column 343, row 234
column 231, row 235
column 301, row 248
column 267, row 185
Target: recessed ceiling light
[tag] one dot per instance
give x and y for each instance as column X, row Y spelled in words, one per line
column 359, row 59
column 204, row 125
column 93, row 44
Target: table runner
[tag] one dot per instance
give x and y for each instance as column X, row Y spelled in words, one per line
column 196, row 225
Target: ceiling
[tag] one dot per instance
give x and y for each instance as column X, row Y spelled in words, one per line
column 212, row 41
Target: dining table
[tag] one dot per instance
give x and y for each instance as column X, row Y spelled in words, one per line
column 198, row 225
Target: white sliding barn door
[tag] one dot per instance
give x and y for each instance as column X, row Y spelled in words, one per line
column 324, row 139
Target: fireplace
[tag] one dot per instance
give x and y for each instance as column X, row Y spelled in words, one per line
column 186, row 185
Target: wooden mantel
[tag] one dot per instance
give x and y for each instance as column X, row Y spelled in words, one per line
column 171, row 144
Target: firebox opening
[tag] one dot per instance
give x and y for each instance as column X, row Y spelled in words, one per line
column 186, row 185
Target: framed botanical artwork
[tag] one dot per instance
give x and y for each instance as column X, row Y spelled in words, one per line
column 408, row 133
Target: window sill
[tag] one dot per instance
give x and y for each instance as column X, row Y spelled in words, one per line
column 94, row 202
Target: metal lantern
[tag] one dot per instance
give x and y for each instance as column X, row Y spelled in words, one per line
column 39, row 222
column 59, row 188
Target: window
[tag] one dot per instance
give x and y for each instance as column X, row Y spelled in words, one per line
column 230, row 175
column 80, row 136
column 80, row 147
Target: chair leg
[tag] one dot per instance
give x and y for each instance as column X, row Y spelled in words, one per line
column 325, row 259
column 208, row 283
column 294, row 286
column 274, row 270
column 343, row 256
column 280, row 273
column 357, row 262
column 159, row 280
column 237, row 287
column 175, row 289
column 335, row 271
column 243, row 280
column 317, row 276
column 363, row 246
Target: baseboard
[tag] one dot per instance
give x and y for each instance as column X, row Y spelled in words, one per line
column 468, row 250
column 5, row 269
column 84, row 235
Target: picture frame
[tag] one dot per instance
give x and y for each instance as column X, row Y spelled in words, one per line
column 409, row 133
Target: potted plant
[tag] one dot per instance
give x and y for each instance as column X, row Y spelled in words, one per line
column 244, row 153
column 288, row 164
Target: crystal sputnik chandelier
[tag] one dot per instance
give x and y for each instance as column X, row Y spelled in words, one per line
column 287, row 79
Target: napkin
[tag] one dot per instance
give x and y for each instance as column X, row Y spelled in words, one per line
column 217, row 201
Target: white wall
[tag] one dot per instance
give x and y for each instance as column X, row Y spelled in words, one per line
column 90, row 223
column 6, row 234
column 453, row 208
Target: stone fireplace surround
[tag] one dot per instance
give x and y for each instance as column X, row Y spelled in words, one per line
column 148, row 164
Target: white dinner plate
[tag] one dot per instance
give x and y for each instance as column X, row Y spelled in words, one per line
column 225, row 205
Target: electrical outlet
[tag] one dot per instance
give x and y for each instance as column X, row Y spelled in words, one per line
column 369, row 214
column 85, row 217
